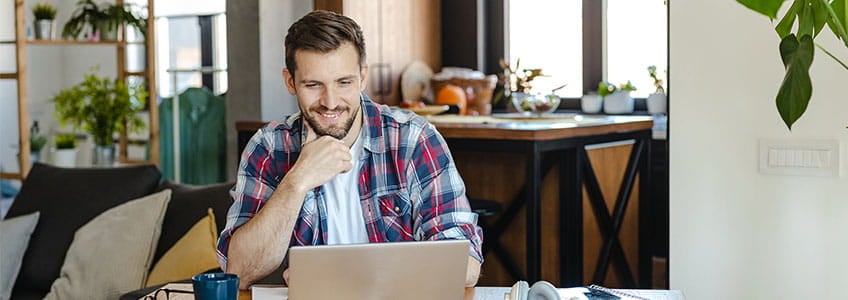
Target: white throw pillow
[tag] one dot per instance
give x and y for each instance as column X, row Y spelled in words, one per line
column 15, row 232
column 110, row 255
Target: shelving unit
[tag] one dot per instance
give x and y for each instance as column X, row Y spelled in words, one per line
column 21, row 75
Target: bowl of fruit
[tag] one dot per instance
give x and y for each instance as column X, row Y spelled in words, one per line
column 535, row 104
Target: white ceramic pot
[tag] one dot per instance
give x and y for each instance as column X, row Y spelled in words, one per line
column 66, row 158
column 619, row 102
column 657, row 103
column 592, row 103
column 44, row 29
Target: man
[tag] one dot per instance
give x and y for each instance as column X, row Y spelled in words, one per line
column 343, row 170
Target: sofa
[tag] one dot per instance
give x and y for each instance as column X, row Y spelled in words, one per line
column 101, row 224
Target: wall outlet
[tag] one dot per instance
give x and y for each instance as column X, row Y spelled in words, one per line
column 799, row 157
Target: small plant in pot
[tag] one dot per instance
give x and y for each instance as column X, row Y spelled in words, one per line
column 116, row 16
column 66, row 150
column 36, row 142
column 102, row 21
column 617, row 99
column 45, row 14
column 656, row 100
column 102, row 107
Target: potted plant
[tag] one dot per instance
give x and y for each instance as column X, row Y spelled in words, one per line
column 83, row 20
column 656, row 100
column 617, row 100
column 66, row 150
column 102, row 21
column 116, row 16
column 36, row 142
column 101, row 106
column 45, row 28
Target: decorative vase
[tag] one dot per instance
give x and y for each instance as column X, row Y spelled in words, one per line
column 45, row 29
column 591, row 103
column 619, row 102
column 109, row 33
column 104, row 156
column 657, row 103
column 66, row 158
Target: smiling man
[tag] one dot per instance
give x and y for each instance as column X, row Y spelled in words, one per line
column 343, row 170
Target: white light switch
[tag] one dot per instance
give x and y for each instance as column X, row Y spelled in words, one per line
column 799, row 157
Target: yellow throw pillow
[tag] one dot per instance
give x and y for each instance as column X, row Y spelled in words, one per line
column 192, row 254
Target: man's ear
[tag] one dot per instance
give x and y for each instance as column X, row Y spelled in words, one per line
column 363, row 77
column 288, row 77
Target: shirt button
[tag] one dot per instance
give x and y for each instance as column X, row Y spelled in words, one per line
column 397, row 209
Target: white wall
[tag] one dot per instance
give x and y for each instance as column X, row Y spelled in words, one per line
column 275, row 17
column 736, row 233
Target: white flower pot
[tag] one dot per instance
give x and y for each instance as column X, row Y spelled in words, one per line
column 66, row 158
column 44, row 29
column 591, row 103
column 619, row 102
column 657, row 103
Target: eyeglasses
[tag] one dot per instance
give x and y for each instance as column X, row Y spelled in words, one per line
column 164, row 292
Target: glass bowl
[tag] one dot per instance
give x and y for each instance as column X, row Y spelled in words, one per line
column 535, row 104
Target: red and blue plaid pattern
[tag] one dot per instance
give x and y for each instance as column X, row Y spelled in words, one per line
column 409, row 187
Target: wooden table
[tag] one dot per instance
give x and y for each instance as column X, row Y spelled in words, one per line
column 246, row 295
column 560, row 139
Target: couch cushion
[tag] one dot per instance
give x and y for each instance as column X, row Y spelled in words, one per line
column 194, row 253
column 188, row 205
column 67, row 199
column 15, row 233
column 110, row 255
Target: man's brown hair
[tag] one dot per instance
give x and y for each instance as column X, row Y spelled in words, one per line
column 322, row 31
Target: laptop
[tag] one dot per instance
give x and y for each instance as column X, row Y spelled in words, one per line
column 399, row 270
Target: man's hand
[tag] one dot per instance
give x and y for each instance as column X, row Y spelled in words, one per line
column 320, row 161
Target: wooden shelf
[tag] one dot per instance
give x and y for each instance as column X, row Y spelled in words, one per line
column 11, row 176
column 74, row 43
column 21, row 75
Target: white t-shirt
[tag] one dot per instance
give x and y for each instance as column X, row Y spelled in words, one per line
column 345, row 223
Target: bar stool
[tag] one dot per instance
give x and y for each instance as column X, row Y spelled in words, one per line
column 487, row 210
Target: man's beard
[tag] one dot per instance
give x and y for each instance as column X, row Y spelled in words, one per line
column 334, row 131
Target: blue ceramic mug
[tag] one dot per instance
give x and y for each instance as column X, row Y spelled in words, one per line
column 214, row 286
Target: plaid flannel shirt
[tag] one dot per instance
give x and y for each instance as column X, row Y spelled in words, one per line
column 409, row 187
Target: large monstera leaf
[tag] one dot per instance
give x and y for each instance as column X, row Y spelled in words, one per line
column 797, row 87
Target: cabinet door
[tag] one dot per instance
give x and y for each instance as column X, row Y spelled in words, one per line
column 367, row 14
column 396, row 34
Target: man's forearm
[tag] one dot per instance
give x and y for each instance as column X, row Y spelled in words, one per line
column 473, row 272
column 259, row 246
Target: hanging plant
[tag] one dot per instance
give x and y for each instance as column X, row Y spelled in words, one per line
column 797, row 47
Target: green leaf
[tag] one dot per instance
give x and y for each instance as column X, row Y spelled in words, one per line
column 805, row 20
column 841, row 9
column 820, row 15
column 768, row 8
column 785, row 26
column 797, row 87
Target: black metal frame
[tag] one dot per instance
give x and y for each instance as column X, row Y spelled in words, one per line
column 575, row 171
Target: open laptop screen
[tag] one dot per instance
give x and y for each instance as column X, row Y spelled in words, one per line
column 400, row 270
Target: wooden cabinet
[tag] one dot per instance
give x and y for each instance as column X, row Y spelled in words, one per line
column 396, row 34
column 21, row 75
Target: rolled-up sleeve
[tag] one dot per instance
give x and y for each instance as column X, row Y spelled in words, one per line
column 444, row 209
column 254, row 185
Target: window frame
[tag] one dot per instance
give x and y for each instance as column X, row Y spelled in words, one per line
column 497, row 38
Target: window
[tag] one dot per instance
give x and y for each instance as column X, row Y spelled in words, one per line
column 185, row 45
column 546, row 34
column 554, row 35
column 636, row 39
